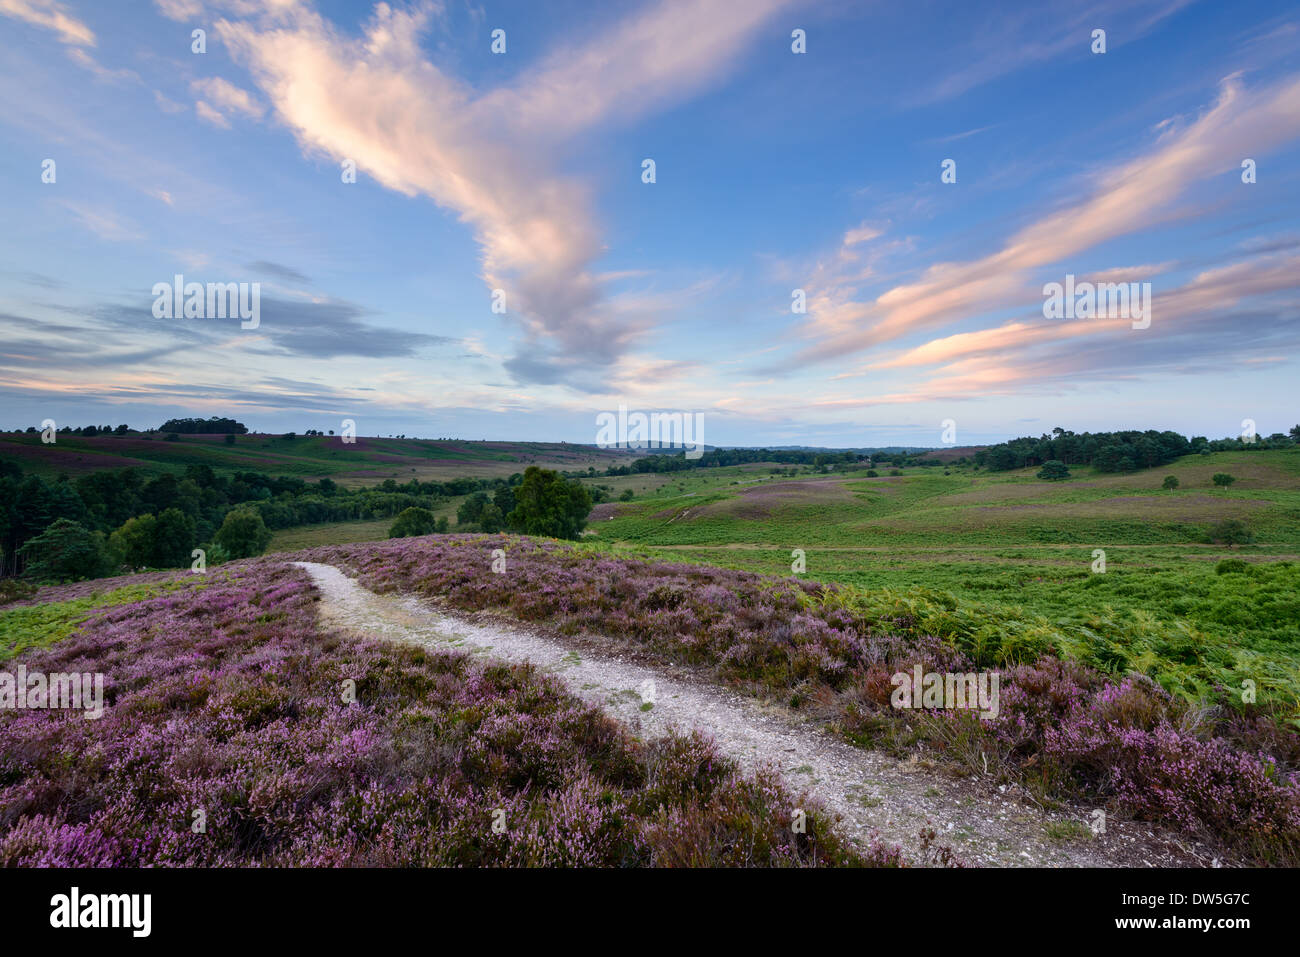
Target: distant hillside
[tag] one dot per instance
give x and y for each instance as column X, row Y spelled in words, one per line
column 366, row 461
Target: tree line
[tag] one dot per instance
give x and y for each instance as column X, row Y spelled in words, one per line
column 1116, row 451
column 157, row 521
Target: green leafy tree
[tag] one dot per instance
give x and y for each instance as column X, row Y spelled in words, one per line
column 243, row 534
column 133, row 541
column 67, row 551
column 1223, row 480
column 472, row 508
column 1170, row 483
column 491, row 520
column 1053, row 471
column 548, row 504
column 413, row 521
column 174, row 537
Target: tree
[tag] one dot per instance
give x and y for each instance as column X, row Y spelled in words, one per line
column 133, row 541
column 491, row 519
column 1170, row 482
column 548, row 504
column 243, row 534
column 472, row 508
column 412, row 522
column 67, row 551
column 1295, row 432
column 1054, row 470
column 174, row 536
column 1223, row 480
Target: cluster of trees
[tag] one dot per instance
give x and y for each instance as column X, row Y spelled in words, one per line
column 543, row 502
column 87, row 430
column 716, row 458
column 1105, row 451
column 214, row 425
column 1117, row 451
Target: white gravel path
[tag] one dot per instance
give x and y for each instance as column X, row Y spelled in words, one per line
column 868, row 790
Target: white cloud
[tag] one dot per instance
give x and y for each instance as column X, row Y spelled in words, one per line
column 222, row 96
column 179, row 10
column 88, row 62
column 413, row 128
column 51, row 15
column 212, row 116
column 1128, row 198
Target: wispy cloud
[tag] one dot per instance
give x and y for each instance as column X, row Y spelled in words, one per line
column 220, row 97
column 378, row 101
column 50, row 15
column 1127, row 198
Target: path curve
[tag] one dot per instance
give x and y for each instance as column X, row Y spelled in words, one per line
column 868, row 790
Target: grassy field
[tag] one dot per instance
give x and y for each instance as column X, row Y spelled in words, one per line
column 367, row 461
column 335, row 533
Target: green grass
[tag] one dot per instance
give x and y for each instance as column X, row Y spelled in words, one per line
column 330, row 533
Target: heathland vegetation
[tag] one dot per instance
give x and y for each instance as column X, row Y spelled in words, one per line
column 1138, row 591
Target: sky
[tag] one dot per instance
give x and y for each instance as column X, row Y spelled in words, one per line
column 500, row 267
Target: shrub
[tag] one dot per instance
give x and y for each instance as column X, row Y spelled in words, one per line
column 15, row 589
column 1230, row 531
column 1054, row 471
column 1170, row 482
column 1223, row 480
column 872, row 473
column 412, row 522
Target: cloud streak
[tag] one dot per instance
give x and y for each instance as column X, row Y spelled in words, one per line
column 490, row 158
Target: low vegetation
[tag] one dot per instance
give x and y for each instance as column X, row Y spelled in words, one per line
column 1112, row 715
column 232, row 737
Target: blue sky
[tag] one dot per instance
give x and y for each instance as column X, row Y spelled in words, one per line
column 775, row 171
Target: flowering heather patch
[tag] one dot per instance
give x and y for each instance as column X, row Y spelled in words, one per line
column 1063, row 726
column 228, row 701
